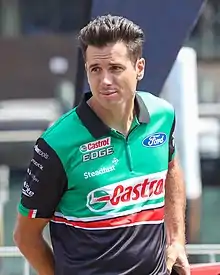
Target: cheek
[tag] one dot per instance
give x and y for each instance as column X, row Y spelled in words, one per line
column 92, row 81
column 129, row 82
column 89, row 79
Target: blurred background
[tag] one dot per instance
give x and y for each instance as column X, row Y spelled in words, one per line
column 42, row 77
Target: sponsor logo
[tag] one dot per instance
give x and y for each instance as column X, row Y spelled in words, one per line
column 98, row 144
column 99, row 172
column 126, row 193
column 37, row 164
column 40, row 152
column 26, row 190
column 155, row 140
column 33, row 177
column 102, row 170
column 115, row 161
column 98, row 154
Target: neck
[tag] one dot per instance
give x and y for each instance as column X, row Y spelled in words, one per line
column 119, row 117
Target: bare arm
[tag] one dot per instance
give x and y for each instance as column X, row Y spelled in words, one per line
column 43, row 187
column 29, row 239
column 175, row 207
column 175, row 203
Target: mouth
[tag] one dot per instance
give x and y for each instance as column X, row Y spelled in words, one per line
column 108, row 92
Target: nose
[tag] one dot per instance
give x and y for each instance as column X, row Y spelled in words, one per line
column 106, row 78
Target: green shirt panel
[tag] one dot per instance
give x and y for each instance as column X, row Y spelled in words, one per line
column 128, row 158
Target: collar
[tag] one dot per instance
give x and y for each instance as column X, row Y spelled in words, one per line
column 96, row 126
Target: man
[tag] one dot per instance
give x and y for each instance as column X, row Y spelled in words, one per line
column 98, row 174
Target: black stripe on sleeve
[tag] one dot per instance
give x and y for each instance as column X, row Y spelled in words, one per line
column 45, row 181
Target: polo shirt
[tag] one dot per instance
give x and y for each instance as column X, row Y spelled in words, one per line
column 103, row 192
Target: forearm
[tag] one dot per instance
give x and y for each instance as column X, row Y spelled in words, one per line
column 38, row 253
column 175, row 203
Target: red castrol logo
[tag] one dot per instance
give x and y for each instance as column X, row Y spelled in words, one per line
column 98, row 144
column 128, row 192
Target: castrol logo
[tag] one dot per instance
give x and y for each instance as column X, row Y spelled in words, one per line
column 94, row 145
column 131, row 191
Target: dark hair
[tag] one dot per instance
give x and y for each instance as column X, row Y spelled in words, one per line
column 111, row 29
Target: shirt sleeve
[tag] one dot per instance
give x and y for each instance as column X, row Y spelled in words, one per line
column 172, row 148
column 44, row 184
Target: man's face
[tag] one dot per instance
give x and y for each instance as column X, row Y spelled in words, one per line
column 111, row 74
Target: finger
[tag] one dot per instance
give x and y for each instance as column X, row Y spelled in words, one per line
column 182, row 265
column 170, row 264
column 181, row 270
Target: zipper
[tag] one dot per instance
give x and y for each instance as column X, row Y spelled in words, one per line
column 128, row 151
column 127, row 148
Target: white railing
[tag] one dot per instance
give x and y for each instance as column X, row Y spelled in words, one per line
column 11, row 252
column 212, row 250
column 192, row 249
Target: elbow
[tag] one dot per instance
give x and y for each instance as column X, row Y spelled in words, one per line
column 27, row 232
column 24, row 238
column 21, row 238
column 17, row 237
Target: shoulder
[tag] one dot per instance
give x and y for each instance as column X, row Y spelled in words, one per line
column 154, row 103
column 64, row 135
column 59, row 127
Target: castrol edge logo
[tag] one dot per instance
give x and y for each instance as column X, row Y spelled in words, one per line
column 127, row 192
column 98, row 144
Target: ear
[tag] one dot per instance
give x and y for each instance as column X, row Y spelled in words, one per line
column 140, row 68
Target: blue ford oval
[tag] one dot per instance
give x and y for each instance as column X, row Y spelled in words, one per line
column 155, row 140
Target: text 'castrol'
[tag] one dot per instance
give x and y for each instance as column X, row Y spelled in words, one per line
column 123, row 194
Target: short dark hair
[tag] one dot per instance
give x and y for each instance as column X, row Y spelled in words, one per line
column 108, row 29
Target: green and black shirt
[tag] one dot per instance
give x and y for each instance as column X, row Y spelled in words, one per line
column 104, row 192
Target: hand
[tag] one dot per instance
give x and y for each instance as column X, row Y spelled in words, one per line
column 177, row 259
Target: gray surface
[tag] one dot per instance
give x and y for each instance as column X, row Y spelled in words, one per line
column 21, row 123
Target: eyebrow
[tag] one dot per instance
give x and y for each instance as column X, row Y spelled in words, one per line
column 93, row 65
column 114, row 63
column 117, row 64
column 111, row 63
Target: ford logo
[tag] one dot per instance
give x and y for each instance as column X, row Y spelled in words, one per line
column 155, row 140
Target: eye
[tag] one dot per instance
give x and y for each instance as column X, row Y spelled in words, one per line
column 116, row 68
column 95, row 69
